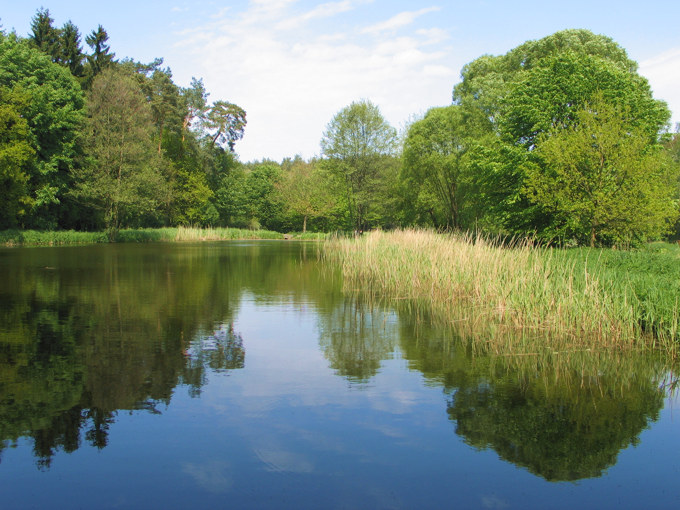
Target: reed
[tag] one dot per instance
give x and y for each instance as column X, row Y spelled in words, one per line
column 222, row 234
column 141, row 235
column 519, row 299
column 49, row 238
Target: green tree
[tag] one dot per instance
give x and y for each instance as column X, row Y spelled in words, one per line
column 195, row 100
column 101, row 56
column 166, row 107
column 53, row 112
column 262, row 203
column 124, row 178
column 71, row 52
column 44, row 36
column 535, row 89
column 601, row 178
column 436, row 164
column 359, row 144
column 16, row 157
column 227, row 121
column 192, row 199
column 304, row 191
column 230, row 197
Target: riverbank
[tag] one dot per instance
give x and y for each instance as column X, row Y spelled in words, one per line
column 522, row 299
column 168, row 234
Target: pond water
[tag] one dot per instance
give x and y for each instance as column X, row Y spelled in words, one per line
column 241, row 375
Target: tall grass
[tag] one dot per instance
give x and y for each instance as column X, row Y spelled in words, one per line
column 142, row 235
column 51, row 238
column 222, row 234
column 521, row 299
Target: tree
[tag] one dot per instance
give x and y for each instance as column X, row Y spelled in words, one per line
column 195, row 100
column 304, row 191
column 358, row 142
column 164, row 97
column 101, row 57
column 228, row 122
column 263, row 205
column 437, row 166
column 53, row 112
column 44, row 36
column 123, row 179
column 602, row 179
column 16, row 156
column 535, row 89
column 71, row 52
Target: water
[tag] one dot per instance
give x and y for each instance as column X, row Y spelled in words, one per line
column 240, row 375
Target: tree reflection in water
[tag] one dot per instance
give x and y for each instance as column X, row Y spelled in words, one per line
column 84, row 340
column 561, row 416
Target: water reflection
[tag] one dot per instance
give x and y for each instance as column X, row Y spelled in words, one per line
column 561, row 416
column 356, row 337
column 89, row 332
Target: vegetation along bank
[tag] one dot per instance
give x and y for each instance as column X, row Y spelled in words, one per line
column 522, row 299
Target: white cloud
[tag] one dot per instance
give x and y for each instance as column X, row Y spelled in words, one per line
column 292, row 82
column 398, row 21
column 321, row 11
column 663, row 73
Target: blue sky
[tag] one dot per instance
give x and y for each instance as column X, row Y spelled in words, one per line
column 293, row 64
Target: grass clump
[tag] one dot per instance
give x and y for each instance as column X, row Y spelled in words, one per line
column 521, row 299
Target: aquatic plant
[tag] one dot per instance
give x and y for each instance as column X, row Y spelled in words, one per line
column 519, row 298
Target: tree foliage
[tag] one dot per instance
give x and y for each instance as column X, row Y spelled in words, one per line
column 602, row 179
column 533, row 93
column 16, row 157
column 359, row 144
column 53, row 112
column 227, row 122
column 124, row 178
column 501, row 159
column 437, row 165
column 304, row 190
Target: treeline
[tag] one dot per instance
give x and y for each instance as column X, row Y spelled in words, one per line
column 559, row 139
column 88, row 142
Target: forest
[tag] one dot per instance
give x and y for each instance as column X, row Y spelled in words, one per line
column 559, row 140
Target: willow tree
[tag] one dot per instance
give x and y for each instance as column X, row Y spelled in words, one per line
column 124, row 178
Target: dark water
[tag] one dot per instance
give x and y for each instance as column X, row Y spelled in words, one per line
column 238, row 375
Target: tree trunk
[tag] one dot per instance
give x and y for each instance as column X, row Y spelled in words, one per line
column 304, row 224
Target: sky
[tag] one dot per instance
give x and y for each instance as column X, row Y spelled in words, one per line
column 294, row 64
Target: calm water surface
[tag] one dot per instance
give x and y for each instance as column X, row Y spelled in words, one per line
column 239, row 375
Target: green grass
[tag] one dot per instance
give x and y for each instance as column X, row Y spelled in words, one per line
column 49, row 238
column 168, row 234
column 522, row 299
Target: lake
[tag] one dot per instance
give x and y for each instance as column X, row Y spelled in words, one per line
column 243, row 375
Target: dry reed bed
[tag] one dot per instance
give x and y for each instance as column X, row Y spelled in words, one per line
column 519, row 300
